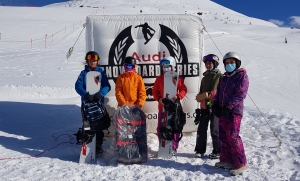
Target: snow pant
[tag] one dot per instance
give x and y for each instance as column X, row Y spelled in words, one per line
column 99, row 138
column 232, row 148
column 201, row 139
column 159, row 122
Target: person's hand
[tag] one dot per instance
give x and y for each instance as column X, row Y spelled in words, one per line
column 225, row 112
column 198, row 115
column 175, row 98
column 89, row 97
column 160, row 101
column 196, row 98
column 97, row 97
column 217, row 110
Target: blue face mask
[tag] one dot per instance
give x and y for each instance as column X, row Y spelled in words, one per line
column 168, row 69
column 230, row 67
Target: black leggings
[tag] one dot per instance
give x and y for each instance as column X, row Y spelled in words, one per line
column 201, row 140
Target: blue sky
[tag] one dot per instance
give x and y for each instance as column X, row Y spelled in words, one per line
column 280, row 12
column 29, row 2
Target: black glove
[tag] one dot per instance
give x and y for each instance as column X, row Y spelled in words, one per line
column 89, row 97
column 97, row 97
column 169, row 105
column 197, row 118
column 136, row 110
column 217, row 109
column 225, row 112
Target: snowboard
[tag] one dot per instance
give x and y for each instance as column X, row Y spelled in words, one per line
column 88, row 150
column 130, row 135
column 170, row 90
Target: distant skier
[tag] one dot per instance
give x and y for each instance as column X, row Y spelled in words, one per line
column 285, row 40
column 92, row 64
column 228, row 105
column 146, row 31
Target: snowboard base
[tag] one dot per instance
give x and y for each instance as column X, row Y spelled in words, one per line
column 165, row 152
column 88, row 152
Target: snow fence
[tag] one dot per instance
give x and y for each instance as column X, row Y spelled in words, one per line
column 149, row 38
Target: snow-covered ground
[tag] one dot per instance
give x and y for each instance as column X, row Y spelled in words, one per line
column 40, row 109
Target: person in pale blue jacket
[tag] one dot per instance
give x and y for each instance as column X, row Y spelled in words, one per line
column 92, row 64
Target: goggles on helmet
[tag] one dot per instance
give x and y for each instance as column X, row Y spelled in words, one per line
column 90, row 57
column 129, row 66
column 210, row 58
column 164, row 62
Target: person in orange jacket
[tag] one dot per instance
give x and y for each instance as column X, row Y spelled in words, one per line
column 130, row 87
column 168, row 64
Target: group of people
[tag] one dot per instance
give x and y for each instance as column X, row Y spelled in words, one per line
column 221, row 102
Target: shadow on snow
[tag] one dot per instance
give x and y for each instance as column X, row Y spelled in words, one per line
column 38, row 123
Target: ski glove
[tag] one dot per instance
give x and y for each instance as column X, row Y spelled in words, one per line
column 225, row 112
column 197, row 118
column 89, row 97
column 217, row 109
column 169, row 105
column 97, row 97
column 221, row 111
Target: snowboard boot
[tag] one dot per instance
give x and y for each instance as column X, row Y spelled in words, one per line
column 238, row 171
column 224, row 165
column 199, row 155
column 99, row 151
column 214, row 156
column 174, row 152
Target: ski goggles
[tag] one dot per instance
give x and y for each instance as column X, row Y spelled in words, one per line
column 210, row 58
column 90, row 57
column 164, row 62
column 129, row 66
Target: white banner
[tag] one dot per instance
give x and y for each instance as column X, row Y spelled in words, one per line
column 149, row 38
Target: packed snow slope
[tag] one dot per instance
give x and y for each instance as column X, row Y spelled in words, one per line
column 38, row 102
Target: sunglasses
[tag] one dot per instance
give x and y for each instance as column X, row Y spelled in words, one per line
column 165, row 62
column 129, row 66
column 92, row 57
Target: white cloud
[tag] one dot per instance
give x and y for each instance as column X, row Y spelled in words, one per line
column 277, row 22
column 295, row 21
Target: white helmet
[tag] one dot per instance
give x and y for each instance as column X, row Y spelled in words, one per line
column 168, row 61
column 232, row 55
column 235, row 56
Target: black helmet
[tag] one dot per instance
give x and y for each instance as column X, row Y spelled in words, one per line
column 95, row 54
column 129, row 60
column 235, row 56
column 211, row 58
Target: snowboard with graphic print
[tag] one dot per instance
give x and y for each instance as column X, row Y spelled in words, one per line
column 170, row 90
column 88, row 150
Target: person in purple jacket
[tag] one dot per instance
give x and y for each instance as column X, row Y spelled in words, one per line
column 228, row 106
